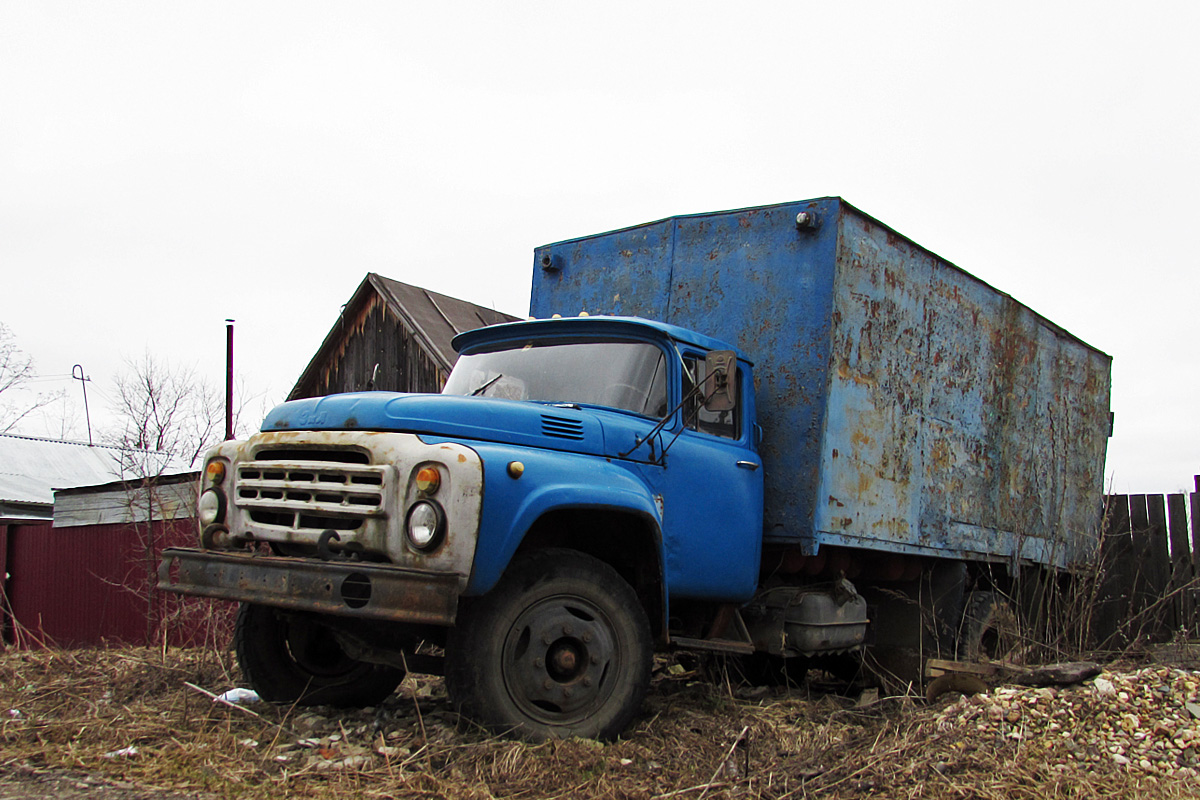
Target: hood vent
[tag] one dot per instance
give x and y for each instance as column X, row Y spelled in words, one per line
column 562, row 428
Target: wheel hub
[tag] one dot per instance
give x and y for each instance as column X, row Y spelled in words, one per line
column 564, row 659
column 556, row 659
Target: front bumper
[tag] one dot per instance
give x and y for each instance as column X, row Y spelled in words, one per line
column 350, row 589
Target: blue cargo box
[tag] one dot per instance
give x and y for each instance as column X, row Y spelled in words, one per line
column 906, row 405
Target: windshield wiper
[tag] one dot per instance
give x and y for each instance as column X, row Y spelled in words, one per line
column 485, row 386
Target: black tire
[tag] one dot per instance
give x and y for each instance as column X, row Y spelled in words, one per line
column 560, row 647
column 987, row 628
column 293, row 658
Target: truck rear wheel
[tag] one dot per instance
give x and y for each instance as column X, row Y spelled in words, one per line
column 293, row 658
column 987, row 629
column 560, row 647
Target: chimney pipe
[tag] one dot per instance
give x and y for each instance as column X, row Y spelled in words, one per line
column 228, row 379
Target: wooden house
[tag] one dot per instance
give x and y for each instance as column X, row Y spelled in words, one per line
column 392, row 337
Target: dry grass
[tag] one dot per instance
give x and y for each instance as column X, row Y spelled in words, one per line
column 76, row 710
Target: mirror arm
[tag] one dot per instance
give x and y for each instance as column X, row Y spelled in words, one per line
column 662, row 423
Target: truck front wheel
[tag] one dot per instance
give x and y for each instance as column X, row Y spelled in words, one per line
column 560, row 647
column 293, row 658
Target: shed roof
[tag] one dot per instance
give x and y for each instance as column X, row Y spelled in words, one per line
column 438, row 317
column 162, row 497
column 433, row 318
column 32, row 468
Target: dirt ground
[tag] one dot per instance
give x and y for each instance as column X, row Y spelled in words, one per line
column 26, row 783
column 137, row 725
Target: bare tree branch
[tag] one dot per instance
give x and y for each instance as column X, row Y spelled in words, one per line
column 170, row 417
column 166, row 410
column 16, row 372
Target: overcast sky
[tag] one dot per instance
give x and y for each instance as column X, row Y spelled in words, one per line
column 164, row 166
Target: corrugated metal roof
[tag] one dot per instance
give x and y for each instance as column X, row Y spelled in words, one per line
column 31, row 468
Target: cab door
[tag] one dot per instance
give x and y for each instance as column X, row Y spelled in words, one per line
column 711, row 489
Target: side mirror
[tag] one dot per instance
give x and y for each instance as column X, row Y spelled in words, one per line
column 720, row 369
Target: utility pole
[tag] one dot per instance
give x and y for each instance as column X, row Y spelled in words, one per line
column 77, row 374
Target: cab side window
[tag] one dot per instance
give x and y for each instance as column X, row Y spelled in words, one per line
column 726, row 424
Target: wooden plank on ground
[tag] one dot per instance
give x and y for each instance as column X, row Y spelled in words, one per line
column 936, row 667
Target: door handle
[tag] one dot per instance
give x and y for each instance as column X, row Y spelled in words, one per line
column 750, row 465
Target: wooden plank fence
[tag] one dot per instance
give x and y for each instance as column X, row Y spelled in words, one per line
column 1150, row 566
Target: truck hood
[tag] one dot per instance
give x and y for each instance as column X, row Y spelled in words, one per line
column 594, row 431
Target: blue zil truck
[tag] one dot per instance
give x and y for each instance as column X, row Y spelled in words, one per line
column 785, row 433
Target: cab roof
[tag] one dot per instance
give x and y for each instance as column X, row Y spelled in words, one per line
column 590, row 326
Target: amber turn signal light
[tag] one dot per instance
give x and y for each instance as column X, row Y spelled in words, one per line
column 428, row 480
column 215, row 471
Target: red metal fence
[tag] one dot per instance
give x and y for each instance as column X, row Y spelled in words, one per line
column 95, row 585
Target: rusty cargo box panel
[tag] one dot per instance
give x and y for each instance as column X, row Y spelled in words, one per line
column 906, row 405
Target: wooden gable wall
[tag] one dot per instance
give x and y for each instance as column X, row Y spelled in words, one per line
column 375, row 342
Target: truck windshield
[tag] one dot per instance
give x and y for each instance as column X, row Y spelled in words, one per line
column 625, row 375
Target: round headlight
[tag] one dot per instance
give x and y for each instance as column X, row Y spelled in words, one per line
column 426, row 526
column 211, row 507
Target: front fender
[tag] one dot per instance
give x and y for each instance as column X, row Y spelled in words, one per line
column 550, row 481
